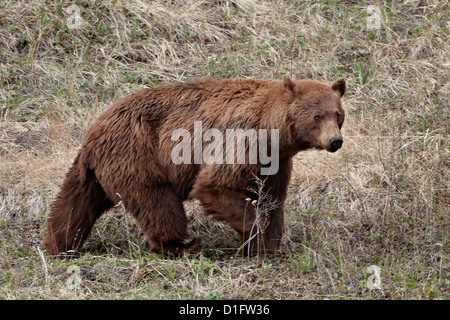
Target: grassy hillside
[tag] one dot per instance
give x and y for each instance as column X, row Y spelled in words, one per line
column 382, row 200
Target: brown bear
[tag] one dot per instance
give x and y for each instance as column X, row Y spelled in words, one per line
column 130, row 155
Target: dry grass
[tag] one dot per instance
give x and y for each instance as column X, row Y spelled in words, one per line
column 382, row 200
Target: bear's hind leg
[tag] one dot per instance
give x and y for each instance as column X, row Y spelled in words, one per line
column 162, row 218
column 78, row 205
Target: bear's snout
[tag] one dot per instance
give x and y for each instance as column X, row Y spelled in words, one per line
column 335, row 143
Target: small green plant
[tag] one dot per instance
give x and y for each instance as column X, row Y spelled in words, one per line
column 361, row 72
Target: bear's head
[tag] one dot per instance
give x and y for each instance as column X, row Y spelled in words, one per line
column 315, row 113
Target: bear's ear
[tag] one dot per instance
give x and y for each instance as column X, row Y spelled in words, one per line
column 339, row 86
column 288, row 83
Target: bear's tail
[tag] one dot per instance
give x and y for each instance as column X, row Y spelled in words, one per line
column 79, row 203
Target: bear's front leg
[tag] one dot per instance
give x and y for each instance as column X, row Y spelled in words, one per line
column 276, row 185
column 229, row 206
column 227, row 201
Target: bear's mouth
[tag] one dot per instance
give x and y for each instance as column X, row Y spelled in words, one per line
column 329, row 148
column 332, row 148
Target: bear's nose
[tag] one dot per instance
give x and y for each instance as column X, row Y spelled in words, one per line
column 336, row 141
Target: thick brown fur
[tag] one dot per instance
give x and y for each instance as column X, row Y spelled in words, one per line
column 126, row 156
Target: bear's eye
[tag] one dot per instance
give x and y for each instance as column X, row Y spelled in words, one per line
column 338, row 115
column 317, row 118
